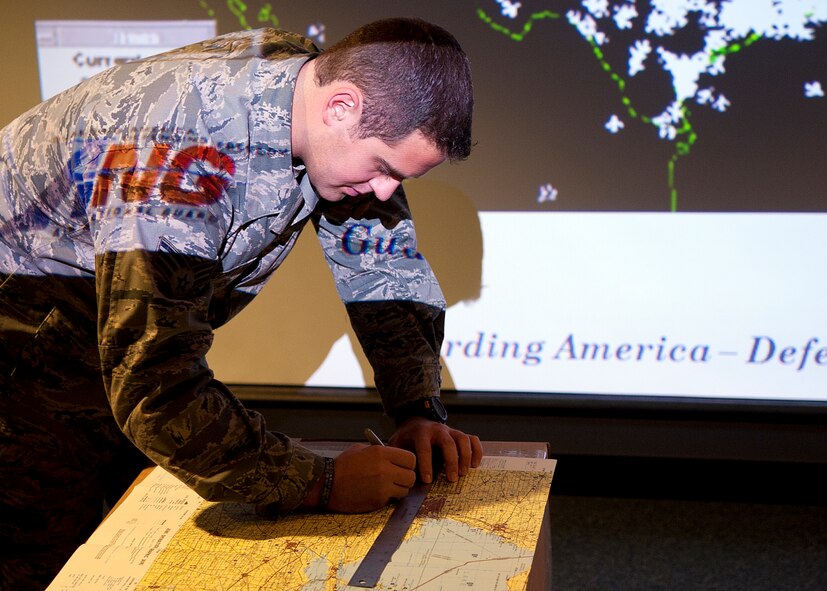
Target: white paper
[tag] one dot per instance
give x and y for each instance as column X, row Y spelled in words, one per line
column 122, row 548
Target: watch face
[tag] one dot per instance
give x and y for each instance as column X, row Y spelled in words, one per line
column 428, row 408
column 437, row 409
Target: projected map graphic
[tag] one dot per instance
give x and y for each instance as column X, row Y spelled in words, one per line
column 640, row 106
column 723, row 28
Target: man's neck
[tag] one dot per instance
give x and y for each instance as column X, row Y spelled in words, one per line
column 305, row 83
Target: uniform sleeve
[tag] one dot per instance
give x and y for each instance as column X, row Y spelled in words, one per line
column 394, row 302
column 153, row 336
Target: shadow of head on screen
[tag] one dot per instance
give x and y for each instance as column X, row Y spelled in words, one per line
column 286, row 333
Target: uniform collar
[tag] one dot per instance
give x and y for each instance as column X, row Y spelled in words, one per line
column 311, row 198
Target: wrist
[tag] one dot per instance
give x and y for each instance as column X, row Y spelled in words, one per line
column 430, row 408
column 319, row 495
column 327, row 483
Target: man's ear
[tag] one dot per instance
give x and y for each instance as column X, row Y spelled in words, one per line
column 344, row 105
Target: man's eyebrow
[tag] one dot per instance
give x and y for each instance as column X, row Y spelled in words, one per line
column 386, row 168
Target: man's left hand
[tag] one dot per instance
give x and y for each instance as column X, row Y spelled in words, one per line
column 459, row 451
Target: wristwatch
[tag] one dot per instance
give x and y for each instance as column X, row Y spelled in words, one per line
column 430, row 408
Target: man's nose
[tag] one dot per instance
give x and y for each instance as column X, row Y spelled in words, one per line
column 383, row 187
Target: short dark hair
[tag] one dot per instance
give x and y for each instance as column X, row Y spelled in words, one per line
column 414, row 76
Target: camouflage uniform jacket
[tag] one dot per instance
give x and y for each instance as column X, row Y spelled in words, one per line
column 143, row 208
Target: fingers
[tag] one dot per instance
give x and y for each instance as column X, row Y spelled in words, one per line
column 424, row 459
column 463, row 443
column 448, row 445
column 368, row 477
column 460, row 452
column 439, row 446
column 431, row 441
column 476, row 451
column 405, row 459
column 470, row 451
column 435, row 449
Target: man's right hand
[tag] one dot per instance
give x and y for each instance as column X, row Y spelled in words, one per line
column 367, row 477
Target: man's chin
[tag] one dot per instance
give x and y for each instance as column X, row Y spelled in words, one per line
column 332, row 196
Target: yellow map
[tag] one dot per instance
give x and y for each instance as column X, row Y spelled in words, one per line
column 478, row 533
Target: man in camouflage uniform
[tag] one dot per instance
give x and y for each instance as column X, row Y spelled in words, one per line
column 146, row 206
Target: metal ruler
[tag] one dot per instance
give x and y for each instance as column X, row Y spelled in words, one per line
column 389, row 539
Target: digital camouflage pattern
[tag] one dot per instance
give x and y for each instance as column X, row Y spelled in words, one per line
column 139, row 211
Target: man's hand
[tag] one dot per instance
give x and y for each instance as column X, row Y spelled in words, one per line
column 459, row 451
column 366, row 478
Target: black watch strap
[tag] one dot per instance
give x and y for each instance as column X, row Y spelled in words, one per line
column 430, row 408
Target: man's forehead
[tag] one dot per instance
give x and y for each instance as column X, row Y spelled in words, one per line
column 411, row 157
